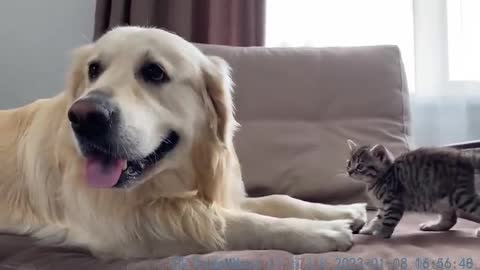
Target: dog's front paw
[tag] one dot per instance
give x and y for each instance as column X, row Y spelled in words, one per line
column 340, row 236
column 357, row 212
column 321, row 237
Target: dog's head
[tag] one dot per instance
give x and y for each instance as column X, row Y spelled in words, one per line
column 141, row 97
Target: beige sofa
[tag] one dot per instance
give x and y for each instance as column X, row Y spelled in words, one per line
column 296, row 108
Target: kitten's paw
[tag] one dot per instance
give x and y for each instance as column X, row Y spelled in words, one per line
column 366, row 231
column 384, row 233
column 435, row 226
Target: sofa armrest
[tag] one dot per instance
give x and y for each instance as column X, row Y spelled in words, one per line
column 465, row 145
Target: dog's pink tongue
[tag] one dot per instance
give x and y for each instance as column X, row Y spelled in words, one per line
column 104, row 174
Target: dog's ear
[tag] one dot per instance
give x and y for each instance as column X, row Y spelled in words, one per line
column 77, row 75
column 218, row 98
column 214, row 160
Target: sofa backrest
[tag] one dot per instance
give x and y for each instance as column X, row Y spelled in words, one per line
column 298, row 106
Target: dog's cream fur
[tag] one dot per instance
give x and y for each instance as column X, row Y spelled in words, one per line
column 193, row 201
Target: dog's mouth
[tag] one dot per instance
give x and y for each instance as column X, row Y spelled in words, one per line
column 104, row 170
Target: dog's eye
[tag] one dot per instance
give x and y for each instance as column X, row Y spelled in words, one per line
column 360, row 167
column 94, row 70
column 153, row 73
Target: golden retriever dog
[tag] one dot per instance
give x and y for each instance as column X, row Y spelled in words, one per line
column 135, row 159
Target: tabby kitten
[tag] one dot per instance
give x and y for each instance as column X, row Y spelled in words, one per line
column 439, row 180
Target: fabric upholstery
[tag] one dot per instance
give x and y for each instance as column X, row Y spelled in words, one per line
column 407, row 244
column 298, row 106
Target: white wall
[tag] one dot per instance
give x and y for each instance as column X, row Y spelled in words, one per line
column 36, row 38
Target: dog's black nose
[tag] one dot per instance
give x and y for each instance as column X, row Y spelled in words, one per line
column 92, row 116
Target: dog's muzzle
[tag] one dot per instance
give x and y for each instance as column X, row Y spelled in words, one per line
column 94, row 117
column 110, row 160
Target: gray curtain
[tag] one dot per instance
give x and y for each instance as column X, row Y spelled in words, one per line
column 225, row 22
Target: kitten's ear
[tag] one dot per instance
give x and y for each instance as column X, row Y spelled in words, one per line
column 352, row 145
column 381, row 152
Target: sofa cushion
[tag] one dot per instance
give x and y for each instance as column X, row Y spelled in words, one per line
column 416, row 249
column 298, row 106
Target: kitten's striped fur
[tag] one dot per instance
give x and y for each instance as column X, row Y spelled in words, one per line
column 439, row 180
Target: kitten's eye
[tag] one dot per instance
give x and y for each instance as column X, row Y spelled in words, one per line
column 94, row 70
column 153, row 73
column 360, row 167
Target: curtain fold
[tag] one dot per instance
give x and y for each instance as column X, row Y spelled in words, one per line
column 224, row 22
